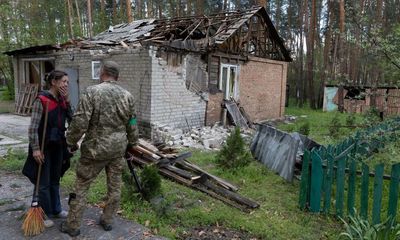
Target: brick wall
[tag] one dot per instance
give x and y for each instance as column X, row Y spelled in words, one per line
column 214, row 108
column 172, row 103
column 263, row 88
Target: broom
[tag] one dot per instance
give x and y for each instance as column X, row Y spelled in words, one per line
column 34, row 218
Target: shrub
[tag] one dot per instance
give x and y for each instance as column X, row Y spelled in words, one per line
column 234, row 153
column 150, row 182
column 334, row 127
column 305, row 128
column 371, row 117
column 350, row 120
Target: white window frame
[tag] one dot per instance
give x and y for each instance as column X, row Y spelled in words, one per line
column 96, row 70
column 235, row 93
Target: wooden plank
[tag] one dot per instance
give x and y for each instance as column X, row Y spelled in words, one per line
column 328, row 183
column 351, row 187
column 394, row 191
column 316, row 182
column 220, row 181
column 305, row 176
column 340, row 175
column 237, row 117
column 364, row 191
column 377, row 201
column 231, row 195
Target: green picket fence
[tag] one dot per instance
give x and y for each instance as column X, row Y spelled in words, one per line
column 332, row 178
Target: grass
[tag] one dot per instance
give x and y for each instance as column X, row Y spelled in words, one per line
column 182, row 208
column 320, row 122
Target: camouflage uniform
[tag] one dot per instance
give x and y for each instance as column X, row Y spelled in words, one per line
column 106, row 114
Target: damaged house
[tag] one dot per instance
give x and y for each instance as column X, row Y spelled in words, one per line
column 180, row 70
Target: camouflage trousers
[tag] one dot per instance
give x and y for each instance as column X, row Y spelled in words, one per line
column 87, row 171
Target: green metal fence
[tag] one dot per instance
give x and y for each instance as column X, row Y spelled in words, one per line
column 333, row 177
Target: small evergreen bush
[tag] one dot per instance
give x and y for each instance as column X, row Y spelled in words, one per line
column 234, row 153
column 334, row 127
column 150, row 182
column 305, row 128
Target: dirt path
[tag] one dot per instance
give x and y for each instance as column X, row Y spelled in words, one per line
column 15, row 197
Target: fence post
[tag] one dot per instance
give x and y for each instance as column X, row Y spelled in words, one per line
column 305, row 176
column 340, row 185
column 378, row 183
column 364, row 191
column 351, row 186
column 394, row 190
column 316, row 182
column 328, row 183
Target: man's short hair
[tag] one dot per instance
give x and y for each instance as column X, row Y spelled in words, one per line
column 110, row 68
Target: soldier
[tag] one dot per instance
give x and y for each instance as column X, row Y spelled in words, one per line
column 106, row 115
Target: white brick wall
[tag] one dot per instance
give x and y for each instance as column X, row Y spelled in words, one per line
column 172, row 104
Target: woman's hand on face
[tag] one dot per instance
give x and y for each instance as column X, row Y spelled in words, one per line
column 38, row 156
column 64, row 92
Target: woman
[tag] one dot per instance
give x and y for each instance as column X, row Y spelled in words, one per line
column 55, row 101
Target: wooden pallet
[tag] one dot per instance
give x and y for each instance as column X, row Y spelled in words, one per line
column 26, row 95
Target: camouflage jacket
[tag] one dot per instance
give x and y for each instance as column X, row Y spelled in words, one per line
column 106, row 115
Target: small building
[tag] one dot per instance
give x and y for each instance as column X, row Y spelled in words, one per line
column 180, row 70
column 360, row 99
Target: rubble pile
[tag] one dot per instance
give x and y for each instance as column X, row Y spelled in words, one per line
column 209, row 138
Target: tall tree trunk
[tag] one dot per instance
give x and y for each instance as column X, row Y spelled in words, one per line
column 189, row 8
column 129, row 10
column 310, row 55
column 139, row 10
column 300, row 77
column 79, row 17
column 341, row 54
column 70, row 20
column 89, row 12
column 237, row 4
column 199, row 7
column 159, row 8
column 225, row 5
column 278, row 13
column 114, row 11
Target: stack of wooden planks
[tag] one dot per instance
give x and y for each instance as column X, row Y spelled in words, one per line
column 26, row 95
column 176, row 167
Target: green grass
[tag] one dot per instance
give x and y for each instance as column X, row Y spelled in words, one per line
column 13, row 161
column 319, row 123
column 182, row 208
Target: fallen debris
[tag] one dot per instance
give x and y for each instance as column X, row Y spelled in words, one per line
column 208, row 138
column 178, row 168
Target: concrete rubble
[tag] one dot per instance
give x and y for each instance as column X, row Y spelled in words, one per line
column 207, row 138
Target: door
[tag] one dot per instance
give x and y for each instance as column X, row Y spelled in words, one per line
column 73, row 87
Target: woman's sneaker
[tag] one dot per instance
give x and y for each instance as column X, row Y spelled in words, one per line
column 48, row 223
column 62, row 214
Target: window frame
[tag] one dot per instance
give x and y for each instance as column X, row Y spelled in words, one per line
column 235, row 93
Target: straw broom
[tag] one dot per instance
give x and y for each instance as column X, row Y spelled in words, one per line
column 34, row 218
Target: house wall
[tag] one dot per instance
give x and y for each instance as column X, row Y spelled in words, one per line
column 135, row 75
column 263, row 88
column 172, row 103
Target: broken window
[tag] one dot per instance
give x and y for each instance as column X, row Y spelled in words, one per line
column 35, row 71
column 229, row 81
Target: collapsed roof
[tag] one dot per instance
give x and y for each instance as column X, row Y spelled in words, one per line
column 248, row 32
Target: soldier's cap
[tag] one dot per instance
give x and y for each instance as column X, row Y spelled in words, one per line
column 111, row 68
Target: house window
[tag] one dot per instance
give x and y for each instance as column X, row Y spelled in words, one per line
column 229, row 81
column 96, row 69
